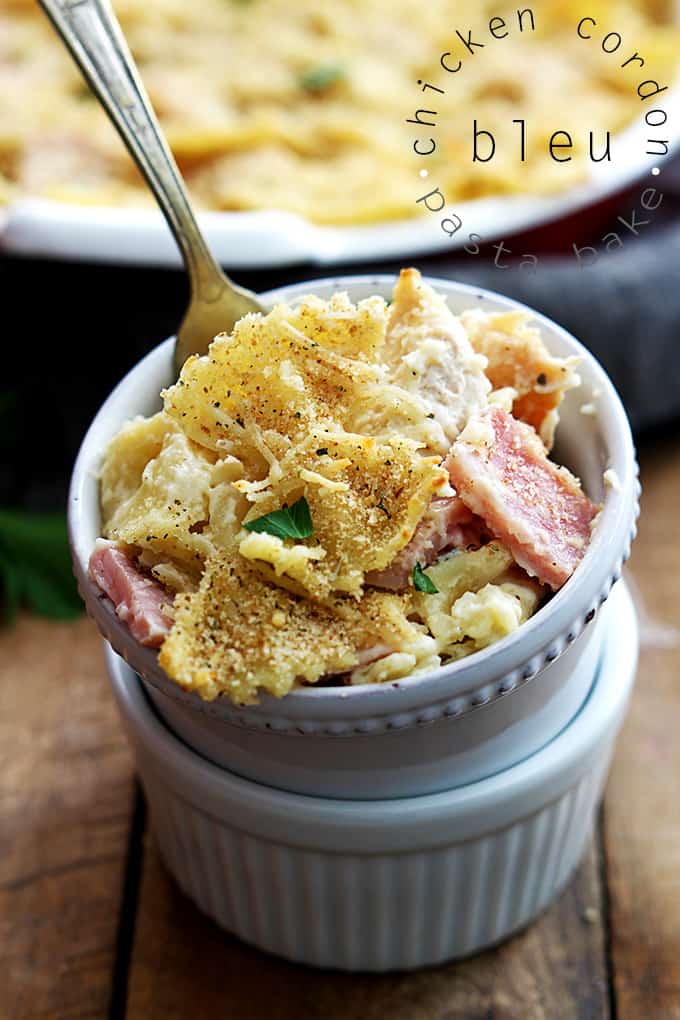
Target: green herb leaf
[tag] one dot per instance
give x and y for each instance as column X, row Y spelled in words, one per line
column 318, row 79
column 421, row 582
column 35, row 566
column 289, row 522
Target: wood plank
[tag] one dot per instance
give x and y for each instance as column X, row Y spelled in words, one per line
column 642, row 813
column 65, row 795
column 184, row 966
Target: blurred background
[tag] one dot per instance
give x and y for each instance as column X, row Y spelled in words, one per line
column 272, row 110
column 290, row 121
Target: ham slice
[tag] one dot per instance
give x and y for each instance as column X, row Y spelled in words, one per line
column 139, row 601
column 500, row 470
column 446, row 524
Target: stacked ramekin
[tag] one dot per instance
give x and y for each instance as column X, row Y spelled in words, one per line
column 398, row 825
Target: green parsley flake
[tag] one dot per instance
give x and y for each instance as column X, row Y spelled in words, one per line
column 318, row 79
column 289, row 522
column 421, row 582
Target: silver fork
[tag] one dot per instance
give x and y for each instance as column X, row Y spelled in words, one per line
column 94, row 37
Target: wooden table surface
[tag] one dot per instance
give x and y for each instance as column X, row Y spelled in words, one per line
column 92, row 927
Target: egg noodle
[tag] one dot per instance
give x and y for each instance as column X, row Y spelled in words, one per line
column 303, row 106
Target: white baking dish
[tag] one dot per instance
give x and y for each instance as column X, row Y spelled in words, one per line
column 387, row 884
column 425, row 733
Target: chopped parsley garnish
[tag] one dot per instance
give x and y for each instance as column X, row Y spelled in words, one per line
column 318, row 79
column 421, row 582
column 289, row 522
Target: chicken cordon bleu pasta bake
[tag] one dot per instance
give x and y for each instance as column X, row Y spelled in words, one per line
column 342, row 493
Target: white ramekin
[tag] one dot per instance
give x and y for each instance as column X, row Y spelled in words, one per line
column 389, row 884
column 462, row 722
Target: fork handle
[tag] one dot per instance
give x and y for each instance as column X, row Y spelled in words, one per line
column 91, row 31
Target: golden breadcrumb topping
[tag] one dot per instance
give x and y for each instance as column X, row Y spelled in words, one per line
column 240, row 634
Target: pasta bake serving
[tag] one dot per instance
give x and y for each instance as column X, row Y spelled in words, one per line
column 342, row 493
column 304, row 107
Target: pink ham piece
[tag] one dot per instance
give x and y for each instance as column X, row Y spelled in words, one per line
column 138, row 600
column 500, row 470
column 447, row 524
